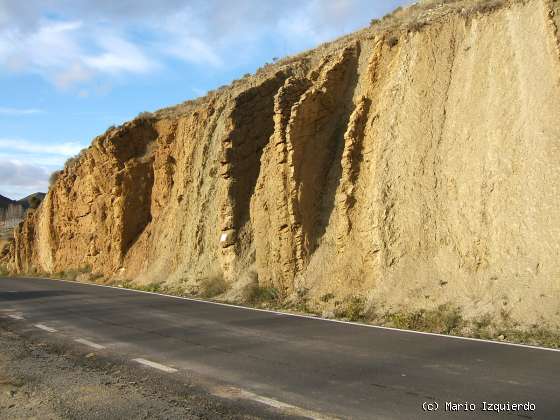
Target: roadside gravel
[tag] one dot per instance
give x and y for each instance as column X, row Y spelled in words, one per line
column 41, row 380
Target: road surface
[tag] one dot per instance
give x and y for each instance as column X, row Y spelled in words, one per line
column 323, row 368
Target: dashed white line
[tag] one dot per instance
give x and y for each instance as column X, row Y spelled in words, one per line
column 155, row 365
column 89, row 343
column 44, row 328
column 18, row 317
column 236, row 393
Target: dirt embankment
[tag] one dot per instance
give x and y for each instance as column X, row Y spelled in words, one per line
column 410, row 165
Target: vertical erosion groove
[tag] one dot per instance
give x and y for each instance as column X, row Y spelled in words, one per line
column 315, row 138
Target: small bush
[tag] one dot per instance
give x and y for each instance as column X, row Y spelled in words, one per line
column 4, row 270
column 392, row 41
column 301, row 301
column 54, row 177
column 34, row 202
column 445, row 319
column 85, row 269
column 374, row 22
column 487, row 7
column 145, row 116
column 70, row 275
column 150, row 287
column 327, row 297
column 417, row 26
column 482, row 327
column 70, row 161
column 96, row 277
column 537, row 337
column 353, row 309
column 260, row 295
column 212, row 286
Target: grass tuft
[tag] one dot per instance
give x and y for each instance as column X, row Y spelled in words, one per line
column 352, row 309
column 264, row 295
column 4, row 270
column 212, row 286
column 445, row 319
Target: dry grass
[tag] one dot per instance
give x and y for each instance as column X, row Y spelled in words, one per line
column 483, row 7
column 352, row 309
column 3, row 270
column 445, row 319
column 537, row 336
column 71, row 274
column 145, row 116
column 212, row 286
column 259, row 295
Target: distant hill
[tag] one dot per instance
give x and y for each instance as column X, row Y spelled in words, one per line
column 5, row 202
column 25, row 202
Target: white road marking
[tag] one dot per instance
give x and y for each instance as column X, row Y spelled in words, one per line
column 89, row 343
column 19, row 317
column 316, row 318
column 45, row 328
column 155, row 365
column 230, row 393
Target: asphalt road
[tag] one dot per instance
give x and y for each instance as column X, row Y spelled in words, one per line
column 328, row 369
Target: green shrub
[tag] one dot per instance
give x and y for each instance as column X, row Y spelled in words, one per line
column 150, row 287
column 260, row 295
column 482, row 327
column 445, row 319
column 353, row 309
column 4, row 270
column 537, row 336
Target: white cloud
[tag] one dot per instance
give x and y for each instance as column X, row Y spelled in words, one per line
column 193, row 50
column 16, row 173
column 18, row 112
column 70, row 52
column 82, row 41
column 75, row 73
column 119, row 56
column 18, row 179
column 21, row 146
column 25, row 166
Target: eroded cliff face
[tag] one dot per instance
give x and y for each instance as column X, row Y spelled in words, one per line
column 412, row 173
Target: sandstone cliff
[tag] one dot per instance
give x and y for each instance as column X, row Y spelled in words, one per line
column 415, row 163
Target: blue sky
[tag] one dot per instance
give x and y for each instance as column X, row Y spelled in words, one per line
column 69, row 68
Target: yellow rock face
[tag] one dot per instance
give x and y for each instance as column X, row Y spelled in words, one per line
column 411, row 167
